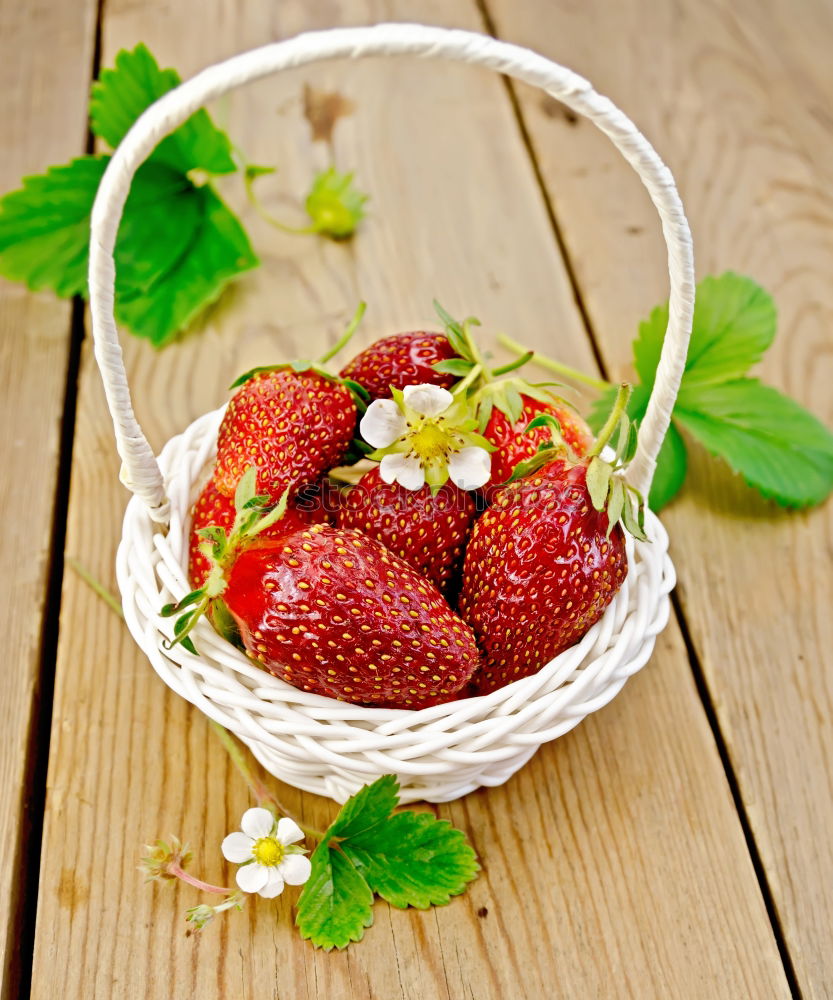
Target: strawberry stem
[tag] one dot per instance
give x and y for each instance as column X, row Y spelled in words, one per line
column 96, row 586
column 172, row 868
column 469, row 380
column 343, row 340
column 513, row 365
column 262, row 795
column 622, row 396
column 551, row 365
column 248, row 182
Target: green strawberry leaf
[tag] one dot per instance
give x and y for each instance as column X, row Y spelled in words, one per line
column 771, row 441
column 413, row 859
column 367, row 808
column 734, row 323
column 121, row 94
column 162, row 217
column 672, row 464
column 45, row 227
column 178, row 245
column 220, row 252
column 336, row 904
column 409, row 859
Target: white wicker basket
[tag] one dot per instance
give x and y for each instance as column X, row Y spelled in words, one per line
column 317, row 743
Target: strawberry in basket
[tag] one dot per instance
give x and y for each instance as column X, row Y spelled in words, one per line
column 509, row 417
column 336, row 613
column 292, row 422
column 214, row 508
column 328, row 610
column 427, row 529
column 400, row 360
column 547, row 558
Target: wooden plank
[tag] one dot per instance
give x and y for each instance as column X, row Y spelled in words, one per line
column 731, row 94
column 614, row 863
column 45, row 49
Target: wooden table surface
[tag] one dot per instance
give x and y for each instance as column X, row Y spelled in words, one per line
column 675, row 845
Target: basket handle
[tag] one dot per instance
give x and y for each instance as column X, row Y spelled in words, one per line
column 140, row 470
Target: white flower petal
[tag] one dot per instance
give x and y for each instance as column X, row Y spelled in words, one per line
column 429, row 400
column 403, row 470
column 295, row 869
column 253, row 877
column 274, row 884
column 237, row 847
column 257, row 822
column 288, row 831
column 383, row 423
column 470, row 468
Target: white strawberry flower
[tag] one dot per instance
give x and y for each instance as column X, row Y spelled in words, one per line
column 426, row 435
column 265, row 849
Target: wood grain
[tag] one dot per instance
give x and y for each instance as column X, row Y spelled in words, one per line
column 614, row 864
column 732, row 95
column 46, row 49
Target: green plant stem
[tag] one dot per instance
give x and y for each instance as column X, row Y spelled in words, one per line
column 554, row 366
column 96, row 586
column 519, row 362
column 255, row 202
column 472, row 377
column 261, row 793
column 610, row 425
column 344, row 339
column 234, row 900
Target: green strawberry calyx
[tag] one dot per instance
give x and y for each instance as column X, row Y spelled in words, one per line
column 318, row 366
column 334, row 205
column 487, row 387
column 253, row 515
column 608, row 489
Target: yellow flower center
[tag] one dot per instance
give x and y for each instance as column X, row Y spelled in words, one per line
column 431, row 442
column 268, row 851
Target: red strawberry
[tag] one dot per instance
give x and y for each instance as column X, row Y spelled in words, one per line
column 546, row 559
column 321, row 501
column 336, row 613
column 400, row 360
column 214, row 508
column 514, row 446
column 292, row 426
column 428, row 531
column 539, row 571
